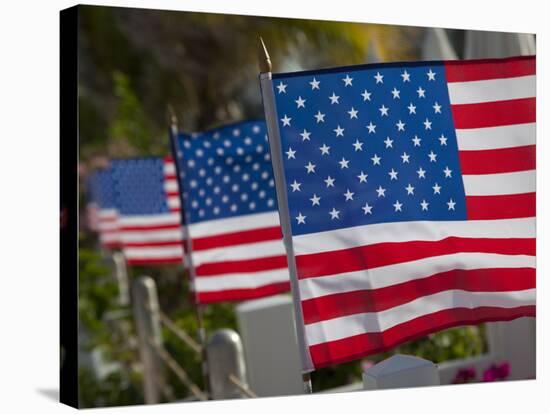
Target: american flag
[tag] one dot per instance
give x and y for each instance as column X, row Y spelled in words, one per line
column 102, row 215
column 231, row 214
column 411, row 196
column 147, row 201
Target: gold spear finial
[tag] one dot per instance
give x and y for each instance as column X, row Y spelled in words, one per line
column 263, row 58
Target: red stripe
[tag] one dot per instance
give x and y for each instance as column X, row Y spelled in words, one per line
column 157, row 261
column 496, row 161
column 236, row 238
column 168, row 159
column 473, row 70
column 243, row 294
column 358, row 346
column 154, row 243
column 170, row 176
column 376, row 300
column 241, row 266
column 383, row 254
column 172, row 193
column 498, row 113
column 150, row 227
column 501, row 206
column 110, row 245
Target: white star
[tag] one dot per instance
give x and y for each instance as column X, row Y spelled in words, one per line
column 339, row 131
column 334, row 214
column 343, row 163
column 424, row 205
column 451, row 204
column 427, row 124
column 295, row 186
column 334, row 99
column 305, row 135
column 310, row 167
column 282, row 87
column 362, row 177
column 315, row 200
column 405, row 157
column 447, row 172
column 358, row 145
column 371, row 127
column 381, row 191
column 410, row 189
column 400, row 126
column 431, row 75
column 393, row 174
column 366, row 95
column 412, row 109
column 437, row 189
column 290, row 153
column 367, row 209
column 406, row 76
column 443, row 139
column 432, row 156
column 395, row 92
column 397, row 205
column 349, row 195
column 324, row 149
column 347, row 81
column 378, row 77
column 388, row 142
column 300, row 102
column 320, row 117
column 286, row 120
column 421, row 92
column 314, row 84
column 437, row 108
column 353, row 113
column 301, row 219
column 383, row 110
column 329, row 181
column 421, row 173
column 376, row 160
column 416, row 141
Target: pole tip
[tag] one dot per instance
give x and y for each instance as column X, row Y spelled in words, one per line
column 263, row 57
column 172, row 118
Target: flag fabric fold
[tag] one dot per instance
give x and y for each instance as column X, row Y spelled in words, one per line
column 230, row 213
column 411, row 199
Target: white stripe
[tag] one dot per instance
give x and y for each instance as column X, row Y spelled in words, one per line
column 500, row 184
column 151, row 236
column 107, row 213
column 234, row 224
column 403, row 272
column 240, row 281
column 171, row 186
column 150, row 219
column 169, row 168
column 173, row 202
column 339, row 328
column 153, row 252
column 108, row 225
column 109, row 237
column 507, row 136
column 492, row 90
column 413, row 230
column 239, row 252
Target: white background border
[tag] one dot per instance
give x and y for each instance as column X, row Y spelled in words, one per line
column 29, row 217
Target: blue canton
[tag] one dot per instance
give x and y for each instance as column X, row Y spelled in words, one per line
column 100, row 187
column 139, row 186
column 370, row 144
column 225, row 172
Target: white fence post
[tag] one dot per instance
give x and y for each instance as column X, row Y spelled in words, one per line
column 146, row 314
column 224, row 352
column 401, row 371
column 121, row 276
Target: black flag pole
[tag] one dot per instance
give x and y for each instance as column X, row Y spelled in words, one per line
column 188, row 260
column 271, row 118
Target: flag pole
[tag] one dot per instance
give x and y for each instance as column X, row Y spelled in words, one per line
column 268, row 98
column 188, row 259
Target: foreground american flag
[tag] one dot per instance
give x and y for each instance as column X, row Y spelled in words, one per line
column 411, row 196
column 101, row 212
column 231, row 213
column 148, row 206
